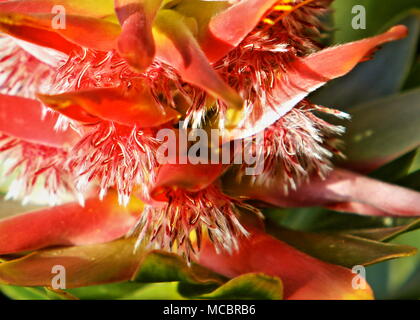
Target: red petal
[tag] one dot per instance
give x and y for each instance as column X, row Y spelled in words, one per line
column 177, row 46
column 72, row 111
column 89, row 8
column 22, row 118
column 343, row 191
column 69, row 224
column 135, row 107
column 310, row 73
column 21, row 28
column 37, row 28
column 230, row 27
column 189, row 177
column 303, row 276
column 136, row 43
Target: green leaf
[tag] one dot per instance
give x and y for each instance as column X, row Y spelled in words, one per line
column 198, row 282
column 384, row 234
column 124, row 291
column 107, row 291
column 156, row 291
column 414, row 77
column 129, row 291
column 342, row 249
column 116, row 261
column 382, row 130
column 166, row 267
column 397, row 170
column 249, row 286
column 322, row 220
column 402, row 270
column 398, row 279
column 24, row 293
column 415, row 162
column 370, row 80
column 411, row 181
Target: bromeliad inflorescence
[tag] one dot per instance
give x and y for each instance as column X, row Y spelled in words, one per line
column 98, row 102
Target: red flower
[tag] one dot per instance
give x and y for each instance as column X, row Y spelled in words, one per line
column 81, row 107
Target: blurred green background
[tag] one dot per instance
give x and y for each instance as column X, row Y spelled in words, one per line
column 395, row 70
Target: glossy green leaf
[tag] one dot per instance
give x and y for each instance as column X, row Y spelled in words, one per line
column 396, row 171
column 106, row 291
column 106, row 263
column 321, row 220
column 35, row 293
column 411, row 181
column 342, row 249
column 156, row 291
column 370, row 80
column 128, row 290
column 116, row 261
column 413, row 80
column 317, row 219
column 382, row 130
column 199, row 282
column 160, row 266
column 24, row 293
column 415, row 163
column 384, row 234
column 398, row 279
column 249, row 286
column 113, row 291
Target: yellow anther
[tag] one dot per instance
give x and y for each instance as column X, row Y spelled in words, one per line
column 283, row 8
column 268, row 21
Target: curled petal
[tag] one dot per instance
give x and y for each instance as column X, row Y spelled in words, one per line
column 305, row 75
column 23, row 118
column 39, row 29
column 136, row 107
column 90, row 8
column 177, row 47
column 303, row 276
column 24, row 28
column 228, row 28
column 71, row 110
column 189, row 177
column 69, row 224
column 343, row 191
column 136, row 43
